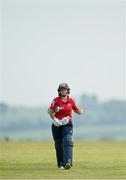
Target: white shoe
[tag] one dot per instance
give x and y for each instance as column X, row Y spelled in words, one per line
column 61, row 167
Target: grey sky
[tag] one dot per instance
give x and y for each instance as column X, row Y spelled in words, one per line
column 48, row 42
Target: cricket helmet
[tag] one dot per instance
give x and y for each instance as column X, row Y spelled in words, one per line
column 63, row 86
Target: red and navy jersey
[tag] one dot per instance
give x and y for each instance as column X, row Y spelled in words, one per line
column 65, row 108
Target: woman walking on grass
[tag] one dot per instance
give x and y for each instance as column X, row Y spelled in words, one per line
column 62, row 128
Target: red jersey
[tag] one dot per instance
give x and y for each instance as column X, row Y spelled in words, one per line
column 65, row 108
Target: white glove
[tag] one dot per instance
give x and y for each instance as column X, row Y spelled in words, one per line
column 65, row 120
column 56, row 122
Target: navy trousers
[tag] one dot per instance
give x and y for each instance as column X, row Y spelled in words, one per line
column 63, row 143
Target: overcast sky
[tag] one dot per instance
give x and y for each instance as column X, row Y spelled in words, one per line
column 44, row 43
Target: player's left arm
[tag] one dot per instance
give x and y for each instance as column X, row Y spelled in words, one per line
column 77, row 109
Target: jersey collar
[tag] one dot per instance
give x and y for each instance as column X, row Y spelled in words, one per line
column 68, row 99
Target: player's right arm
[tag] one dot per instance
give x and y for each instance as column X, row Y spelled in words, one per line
column 51, row 113
column 51, row 110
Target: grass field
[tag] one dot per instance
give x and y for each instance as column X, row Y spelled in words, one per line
column 92, row 160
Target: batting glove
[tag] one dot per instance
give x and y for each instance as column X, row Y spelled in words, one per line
column 56, row 122
column 65, row 120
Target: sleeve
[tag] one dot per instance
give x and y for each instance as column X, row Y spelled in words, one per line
column 53, row 105
column 74, row 106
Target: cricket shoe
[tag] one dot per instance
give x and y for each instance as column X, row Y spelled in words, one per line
column 67, row 166
column 61, row 167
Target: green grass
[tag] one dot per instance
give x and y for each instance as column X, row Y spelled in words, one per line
column 32, row 160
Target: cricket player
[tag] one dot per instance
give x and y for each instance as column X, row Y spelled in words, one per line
column 62, row 128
